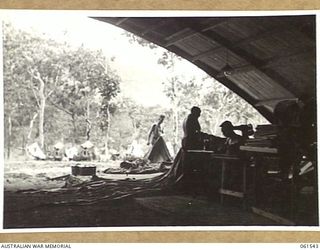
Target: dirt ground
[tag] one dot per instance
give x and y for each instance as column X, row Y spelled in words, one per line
column 46, row 195
column 41, row 194
column 26, row 212
column 122, row 212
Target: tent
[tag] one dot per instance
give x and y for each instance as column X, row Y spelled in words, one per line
column 87, row 151
column 71, row 153
column 58, row 151
column 159, row 152
column 35, row 151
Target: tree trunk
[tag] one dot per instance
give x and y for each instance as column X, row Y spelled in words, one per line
column 41, row 104
column 41, row 112
column 23, row 145
column 218, row 121
column 31, row 127
column 74, row 128
column 175, row 128
column 9, row 136
column 88, row 129
column 106, row 138
column 134, row 125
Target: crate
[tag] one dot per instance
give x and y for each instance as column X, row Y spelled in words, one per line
column 83, row 170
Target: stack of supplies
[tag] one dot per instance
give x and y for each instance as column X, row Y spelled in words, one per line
column 264, row 136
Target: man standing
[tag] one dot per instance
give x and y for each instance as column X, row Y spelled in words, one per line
column 192, row 130
column 155, row 131
column 158, row 151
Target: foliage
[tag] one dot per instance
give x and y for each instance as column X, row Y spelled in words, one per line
column 139, row 40
column 63, row 93
column 53, row 86
column 132, row 122
column 31, row 67
column 108, row 90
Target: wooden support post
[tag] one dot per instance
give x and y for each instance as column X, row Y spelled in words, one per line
column 222, row 180
column 244, row 185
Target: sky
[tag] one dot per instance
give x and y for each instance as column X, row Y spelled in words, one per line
column 137, row 66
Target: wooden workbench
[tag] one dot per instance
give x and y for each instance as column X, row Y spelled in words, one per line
column 265, row 162
column 226, row 162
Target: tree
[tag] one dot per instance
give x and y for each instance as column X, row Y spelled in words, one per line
column 182, row 91
column 222, row 104
column 107, row 90
column 41, row 74
column 17, row 100
column 34, row 64
column 88, row 91
column 14, row 95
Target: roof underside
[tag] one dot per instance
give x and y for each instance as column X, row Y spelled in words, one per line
column 268, row 59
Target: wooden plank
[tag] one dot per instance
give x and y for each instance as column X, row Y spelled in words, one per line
column 273, row 217
column 199, row 151
column 259, row 149
column 268, row 101
column 247, row 85
column 179, row 36
column 231, row 193
column 237, row 70
column 154, row 27
column 215, row 156
column 214, row 25
column 225, row 157
column 121, row 20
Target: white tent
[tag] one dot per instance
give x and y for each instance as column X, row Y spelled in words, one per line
column 71, row 152
column 35, row 151
column 87, row 144
column 58, row 145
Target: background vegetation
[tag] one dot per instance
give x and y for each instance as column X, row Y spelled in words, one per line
column 57, row 92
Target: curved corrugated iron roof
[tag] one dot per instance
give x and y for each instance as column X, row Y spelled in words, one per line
column 262, row 59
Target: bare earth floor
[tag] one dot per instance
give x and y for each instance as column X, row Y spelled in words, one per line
column 174, row 210
column 45, row 195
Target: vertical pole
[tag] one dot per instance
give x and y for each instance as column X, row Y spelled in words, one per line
column 222, row 180
column 244, row 182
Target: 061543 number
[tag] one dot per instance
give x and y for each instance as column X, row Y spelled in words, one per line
column 308, row 246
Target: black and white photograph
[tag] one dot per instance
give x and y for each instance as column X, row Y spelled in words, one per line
column 159, row 120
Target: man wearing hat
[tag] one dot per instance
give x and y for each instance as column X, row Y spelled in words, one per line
column 234, row 140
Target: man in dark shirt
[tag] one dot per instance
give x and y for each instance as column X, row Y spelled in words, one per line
column 192, row 130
